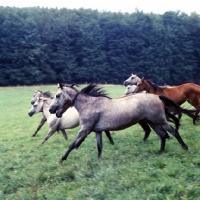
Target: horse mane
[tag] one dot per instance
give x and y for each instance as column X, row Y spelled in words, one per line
column 94, row 90
column 153, row 85
column 47, row 94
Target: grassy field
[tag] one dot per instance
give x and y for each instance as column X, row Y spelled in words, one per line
column 131, row 169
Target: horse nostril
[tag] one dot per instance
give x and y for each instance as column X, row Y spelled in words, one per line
column 51, row 110
column 30, row 114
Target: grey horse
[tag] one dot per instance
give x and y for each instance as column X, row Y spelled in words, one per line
column 98, row 112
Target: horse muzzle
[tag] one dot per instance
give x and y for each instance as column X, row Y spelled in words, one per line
column 30, row 114
column 52, row 109
column 126, row 83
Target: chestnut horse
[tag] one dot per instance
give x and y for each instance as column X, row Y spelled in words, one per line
column 189, row 92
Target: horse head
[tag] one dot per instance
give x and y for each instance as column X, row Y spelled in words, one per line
column 62, row 101
column 132, row 80
column 36, row 94
column 130, row 89
column 36, row 107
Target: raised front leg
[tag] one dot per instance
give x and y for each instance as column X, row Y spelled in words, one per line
column 75, row 144
column 42, row 121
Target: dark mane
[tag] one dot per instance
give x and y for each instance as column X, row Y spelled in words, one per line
column 153, row 85
column 47, row 94
column 94, row 90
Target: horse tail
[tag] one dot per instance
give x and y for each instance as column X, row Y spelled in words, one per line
column 173, row 107
column 175, row 120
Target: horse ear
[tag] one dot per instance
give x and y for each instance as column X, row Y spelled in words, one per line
column 143, row 78
column 60, row 85
column 72, row 85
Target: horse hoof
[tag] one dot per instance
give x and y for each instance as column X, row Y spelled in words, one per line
column 144, row 139
column 160, row 151
column 185, row 147
column 60, row 161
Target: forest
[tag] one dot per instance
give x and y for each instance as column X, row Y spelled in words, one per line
column 49, row 45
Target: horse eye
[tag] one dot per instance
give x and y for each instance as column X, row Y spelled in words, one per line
column 57, row 96
column 131, row 77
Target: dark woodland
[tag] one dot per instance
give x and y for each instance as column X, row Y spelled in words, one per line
column 47, row 46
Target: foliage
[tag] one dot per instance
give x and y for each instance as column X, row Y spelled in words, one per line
column 131, row 169
column 46, row 46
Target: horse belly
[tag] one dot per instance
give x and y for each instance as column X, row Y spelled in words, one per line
column 70, row 119
column 117, row 122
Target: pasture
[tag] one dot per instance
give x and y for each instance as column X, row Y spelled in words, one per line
column 130, row 169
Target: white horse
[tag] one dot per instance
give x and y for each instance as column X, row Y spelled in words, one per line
column 69, row 120
column 132, row 80
column 131, row 89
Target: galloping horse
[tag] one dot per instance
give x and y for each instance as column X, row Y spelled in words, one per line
column 41, row 103
column 38, row 94
column 179, row 94
column 69, row 120
column 98, row 112
column 130, row 84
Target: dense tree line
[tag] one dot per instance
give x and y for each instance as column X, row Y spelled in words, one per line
column 46, row 46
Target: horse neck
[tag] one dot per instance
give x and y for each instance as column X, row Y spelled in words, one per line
column 137, row 79
column 154, row 90
column 46, row 106
column 79, row 102
column 82, row 101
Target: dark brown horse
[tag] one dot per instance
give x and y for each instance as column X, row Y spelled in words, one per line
column 179, row 94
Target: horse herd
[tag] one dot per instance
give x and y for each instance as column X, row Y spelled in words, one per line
column 90, row 108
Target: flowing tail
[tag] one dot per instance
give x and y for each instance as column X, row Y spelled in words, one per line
column 173, row 107
column 172, row 118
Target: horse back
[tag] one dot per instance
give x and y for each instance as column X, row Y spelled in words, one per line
column 192, row 92
column 176, row 93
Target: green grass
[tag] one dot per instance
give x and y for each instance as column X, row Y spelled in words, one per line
column 131, row 169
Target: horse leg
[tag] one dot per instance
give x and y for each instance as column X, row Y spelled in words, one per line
column 174, row 120
column 146, row 129
column 179, row 116
column 50, row 133
column 75, row 144
column 162, row 134
column 64, row 134
column 109, row 137
column 196, row 117
column 99, row 142
column 71, row 147
column 42, row 121
column 176, row 134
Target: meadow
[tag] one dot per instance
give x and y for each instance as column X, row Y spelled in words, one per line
column 130, row 169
